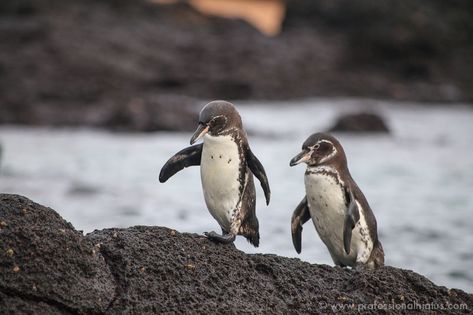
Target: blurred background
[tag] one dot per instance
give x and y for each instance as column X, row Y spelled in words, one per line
column 95, row 96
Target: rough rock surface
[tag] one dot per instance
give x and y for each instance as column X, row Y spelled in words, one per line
column 360, row 122
column 142, row 270
column 45, row 262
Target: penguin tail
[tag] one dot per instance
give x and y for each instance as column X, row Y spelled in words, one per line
column 253, row 239
column 250, row 230
column 377, row 255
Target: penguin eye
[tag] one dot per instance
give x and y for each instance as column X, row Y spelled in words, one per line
column 218, row 121
column 317, row 146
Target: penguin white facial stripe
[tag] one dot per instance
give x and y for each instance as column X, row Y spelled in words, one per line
column 233, row 130
column 325, row 141
column 330, row 156
column 224, row 117
column 316, row 146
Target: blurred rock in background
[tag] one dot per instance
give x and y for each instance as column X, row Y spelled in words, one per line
column 360, row 122
column 127, row 64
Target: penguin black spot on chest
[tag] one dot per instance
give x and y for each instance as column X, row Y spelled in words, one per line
column 220, row 179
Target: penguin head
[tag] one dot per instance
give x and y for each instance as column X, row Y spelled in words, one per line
column 320, row 149
column 216, row 118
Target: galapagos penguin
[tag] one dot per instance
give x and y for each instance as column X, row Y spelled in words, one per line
column 227, row 166
column 339, row 210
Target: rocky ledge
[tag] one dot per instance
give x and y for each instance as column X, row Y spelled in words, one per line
column 48, row 267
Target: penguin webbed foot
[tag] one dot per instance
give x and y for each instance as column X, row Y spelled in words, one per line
column 224, row 238
column 359, row 267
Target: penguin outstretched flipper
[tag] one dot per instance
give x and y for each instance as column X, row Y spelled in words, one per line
column 351, row 218
column 258, row 170
column 300, row 216
column 226, row 171
column 187, row 157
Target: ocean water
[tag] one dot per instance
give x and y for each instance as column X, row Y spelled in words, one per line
column 418, row 180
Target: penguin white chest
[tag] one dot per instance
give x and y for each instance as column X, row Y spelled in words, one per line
column 219, row 170
column 327, row 202
column 327, row 206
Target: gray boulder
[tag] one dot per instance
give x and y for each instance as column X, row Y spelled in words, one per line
column 360, row 122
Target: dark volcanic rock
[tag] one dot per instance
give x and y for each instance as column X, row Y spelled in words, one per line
column 360, row 122
column 158, row 270
column 90, row 62
column 159, row 112
column 187, row 273
column 103, row 64
column 45, row 264
column 419, row 50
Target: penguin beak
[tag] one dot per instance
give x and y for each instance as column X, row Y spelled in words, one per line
column 199, row 133
column 301, row 157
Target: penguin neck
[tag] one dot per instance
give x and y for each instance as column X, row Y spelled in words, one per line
column 213, row 140
column 234, row 134
column 328, row 170
column 338, row 165
column 229, row 131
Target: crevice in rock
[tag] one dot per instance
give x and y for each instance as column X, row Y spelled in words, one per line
column 25, row 296
column 116, row 278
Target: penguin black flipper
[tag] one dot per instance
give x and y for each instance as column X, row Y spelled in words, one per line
column 300, row 216
column 351, row 218
column 258, row 170
column 184, row 158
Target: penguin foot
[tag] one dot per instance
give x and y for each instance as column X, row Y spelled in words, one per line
column 360, row 267
column 225, row 238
